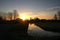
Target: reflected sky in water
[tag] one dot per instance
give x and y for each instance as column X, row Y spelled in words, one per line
column 34, row 30
column 34, row 27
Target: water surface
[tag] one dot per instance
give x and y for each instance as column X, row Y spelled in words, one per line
column 34, row 30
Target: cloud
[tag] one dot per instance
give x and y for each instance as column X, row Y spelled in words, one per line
column 48, row 13
column 45, row 14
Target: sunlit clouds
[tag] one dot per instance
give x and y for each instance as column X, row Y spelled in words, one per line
column 45, row 14
column 24, row 15
column 31, row 8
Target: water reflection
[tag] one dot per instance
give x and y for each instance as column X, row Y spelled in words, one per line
column 34, row 30
column 34, row 27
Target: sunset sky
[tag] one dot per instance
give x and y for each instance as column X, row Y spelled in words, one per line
column 44, row 9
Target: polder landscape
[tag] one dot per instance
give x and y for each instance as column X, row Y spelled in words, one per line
column 17, row 28
column 32, row 20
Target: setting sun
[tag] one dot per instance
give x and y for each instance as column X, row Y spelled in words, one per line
column 24, row 16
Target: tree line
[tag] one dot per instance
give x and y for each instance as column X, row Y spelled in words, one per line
column 57, row 16
column 9, row 16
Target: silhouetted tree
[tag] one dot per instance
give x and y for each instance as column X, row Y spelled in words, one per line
column 55, row 17
column 59, row 15
column 15, row 14
column 10, row 15
column 0, row 14
column 36, row 19
column 4, row 16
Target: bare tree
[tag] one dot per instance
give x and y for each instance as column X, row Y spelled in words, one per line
column 3, row 15
column 55, row 17
column 10, row 15
column 0, row 14
column 59, row 15
column 15, row 14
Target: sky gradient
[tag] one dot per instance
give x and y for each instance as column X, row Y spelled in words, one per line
column 37, row 7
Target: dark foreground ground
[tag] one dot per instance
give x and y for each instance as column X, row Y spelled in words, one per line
column 17, row 36
column 17, row 30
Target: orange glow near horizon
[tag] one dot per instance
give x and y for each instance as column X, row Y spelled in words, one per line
column 28, row 15
column 24, row 16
